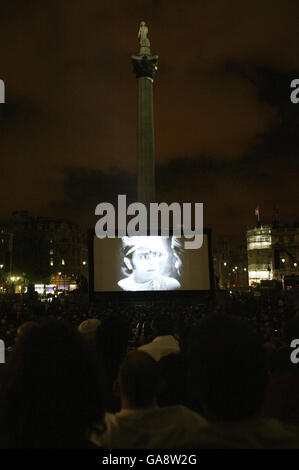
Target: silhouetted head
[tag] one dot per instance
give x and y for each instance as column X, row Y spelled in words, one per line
column 227, row 369
column 138, row 380
column 88, row 329
column 291, row 330
column 171, row 372
column 25, row 327
column 112, row 337
column 163, row 324
column 52, row 394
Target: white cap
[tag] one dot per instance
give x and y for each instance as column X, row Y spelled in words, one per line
column 89, row 326
column 153, row 243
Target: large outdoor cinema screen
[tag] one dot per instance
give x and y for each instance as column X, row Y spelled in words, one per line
column 150, row 263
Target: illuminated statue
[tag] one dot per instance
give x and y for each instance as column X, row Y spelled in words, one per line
column 143, row 39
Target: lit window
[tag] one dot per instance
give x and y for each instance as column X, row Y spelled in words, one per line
column 51, row 262
column 62, row 261
column 51, row 252
column 259, row 243
column 258, row 276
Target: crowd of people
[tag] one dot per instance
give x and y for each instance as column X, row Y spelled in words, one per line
column 215, row 374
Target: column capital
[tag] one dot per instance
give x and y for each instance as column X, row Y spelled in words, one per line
column 145, row 66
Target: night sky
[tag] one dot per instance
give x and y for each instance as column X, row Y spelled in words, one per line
column 226, row 132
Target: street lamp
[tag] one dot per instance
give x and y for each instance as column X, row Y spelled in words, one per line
column 58, row 284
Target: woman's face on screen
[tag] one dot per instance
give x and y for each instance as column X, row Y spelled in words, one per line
column 146, row 263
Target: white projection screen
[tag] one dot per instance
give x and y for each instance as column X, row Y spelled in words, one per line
column 149, row 263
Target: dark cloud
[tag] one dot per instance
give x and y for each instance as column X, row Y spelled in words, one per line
column 83, row 186
column 226, row 132
column 230, row 190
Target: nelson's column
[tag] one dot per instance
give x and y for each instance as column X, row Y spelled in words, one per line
column 145, row 66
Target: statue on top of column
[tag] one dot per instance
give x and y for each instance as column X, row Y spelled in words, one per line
column 143, row 39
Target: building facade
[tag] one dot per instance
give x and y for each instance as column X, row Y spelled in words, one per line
column 43, row 250
column 273, row 252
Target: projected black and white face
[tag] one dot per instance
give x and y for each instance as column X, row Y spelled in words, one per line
column 149, row 264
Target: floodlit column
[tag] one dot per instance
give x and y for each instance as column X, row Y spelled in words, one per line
column 145, row 67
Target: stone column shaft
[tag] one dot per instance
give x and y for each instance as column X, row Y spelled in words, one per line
column 146, row 142
column 145, row 68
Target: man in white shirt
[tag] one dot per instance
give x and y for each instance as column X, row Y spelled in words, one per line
column 141, row 424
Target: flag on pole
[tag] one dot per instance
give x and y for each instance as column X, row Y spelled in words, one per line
column 257, row 211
